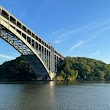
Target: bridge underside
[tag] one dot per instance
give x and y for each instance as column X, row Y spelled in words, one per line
column 34, row 62
column 37, row 67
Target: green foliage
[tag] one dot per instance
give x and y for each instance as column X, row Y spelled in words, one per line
column 16, row 70
column 72, row 68
column 81, row 68
column 60, row 78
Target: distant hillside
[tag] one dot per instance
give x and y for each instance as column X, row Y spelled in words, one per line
column 80, row 68
column 72, row 68
column 16, row 70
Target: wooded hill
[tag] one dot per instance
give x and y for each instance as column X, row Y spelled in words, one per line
column 72, row 68
column 81, row 68
column 16, row 70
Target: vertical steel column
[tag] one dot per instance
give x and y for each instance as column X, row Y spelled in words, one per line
column 41, row 51
column 0, row 21
column 38, row 50
column 26, row 38
column 48, row 60
column 22, row 45
column 44, row 54
column 52, row 56
column 55, row 63
column 34, row 45
column 46, row 57
column 31, row 39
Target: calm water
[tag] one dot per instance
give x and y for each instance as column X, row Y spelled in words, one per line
column 55, row 96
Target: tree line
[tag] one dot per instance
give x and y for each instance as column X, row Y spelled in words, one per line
column 81, row 68
column 71, row 69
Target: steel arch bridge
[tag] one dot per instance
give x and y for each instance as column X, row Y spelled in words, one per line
column 41, row 57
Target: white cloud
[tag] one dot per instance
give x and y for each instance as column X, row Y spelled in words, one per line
column 62, row 37
column 91, row 38
column 96, row 53
column 77, row 45
column 77, row 30
column 57, row 41
column 54, row 37
column 6, row 56
column 56, row 33
column 87, row 27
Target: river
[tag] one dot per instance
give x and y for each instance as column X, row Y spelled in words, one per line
column 55, row 96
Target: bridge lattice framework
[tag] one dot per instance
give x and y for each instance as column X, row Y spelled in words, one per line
column 44, row 57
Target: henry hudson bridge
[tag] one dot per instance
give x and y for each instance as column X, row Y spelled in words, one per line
column 41, row 56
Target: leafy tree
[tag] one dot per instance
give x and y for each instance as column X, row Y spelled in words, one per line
column 16, row 70
column 81, row 68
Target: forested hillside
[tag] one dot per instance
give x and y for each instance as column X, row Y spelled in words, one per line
column 81, row 68
column 72, row 68
column 16, row 70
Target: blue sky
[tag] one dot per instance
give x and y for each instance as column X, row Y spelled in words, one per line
column 74, row 27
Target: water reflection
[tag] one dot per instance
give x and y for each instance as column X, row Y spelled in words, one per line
column 55, row 96
column 63, row 83
column 35, row 96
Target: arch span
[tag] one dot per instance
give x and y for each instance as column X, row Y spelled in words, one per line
column 41, row 57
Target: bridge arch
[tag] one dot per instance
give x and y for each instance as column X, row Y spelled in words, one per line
column 41, row 57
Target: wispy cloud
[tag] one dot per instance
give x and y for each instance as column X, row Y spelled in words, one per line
column 22, row 14
column 91, row 38
column 77, row 30
column 15, row 54
column 96, row 53
column 53, row 37
column 77, row 45
column 55, row 33
column 62, row 35
column 87, row 27
column 6, row 56
column 82, row 42
column 57, row 41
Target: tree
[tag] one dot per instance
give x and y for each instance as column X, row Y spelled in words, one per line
column 84, row 69
column 16, row 70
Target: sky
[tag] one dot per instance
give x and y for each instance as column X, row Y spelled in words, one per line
column 77, row 28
